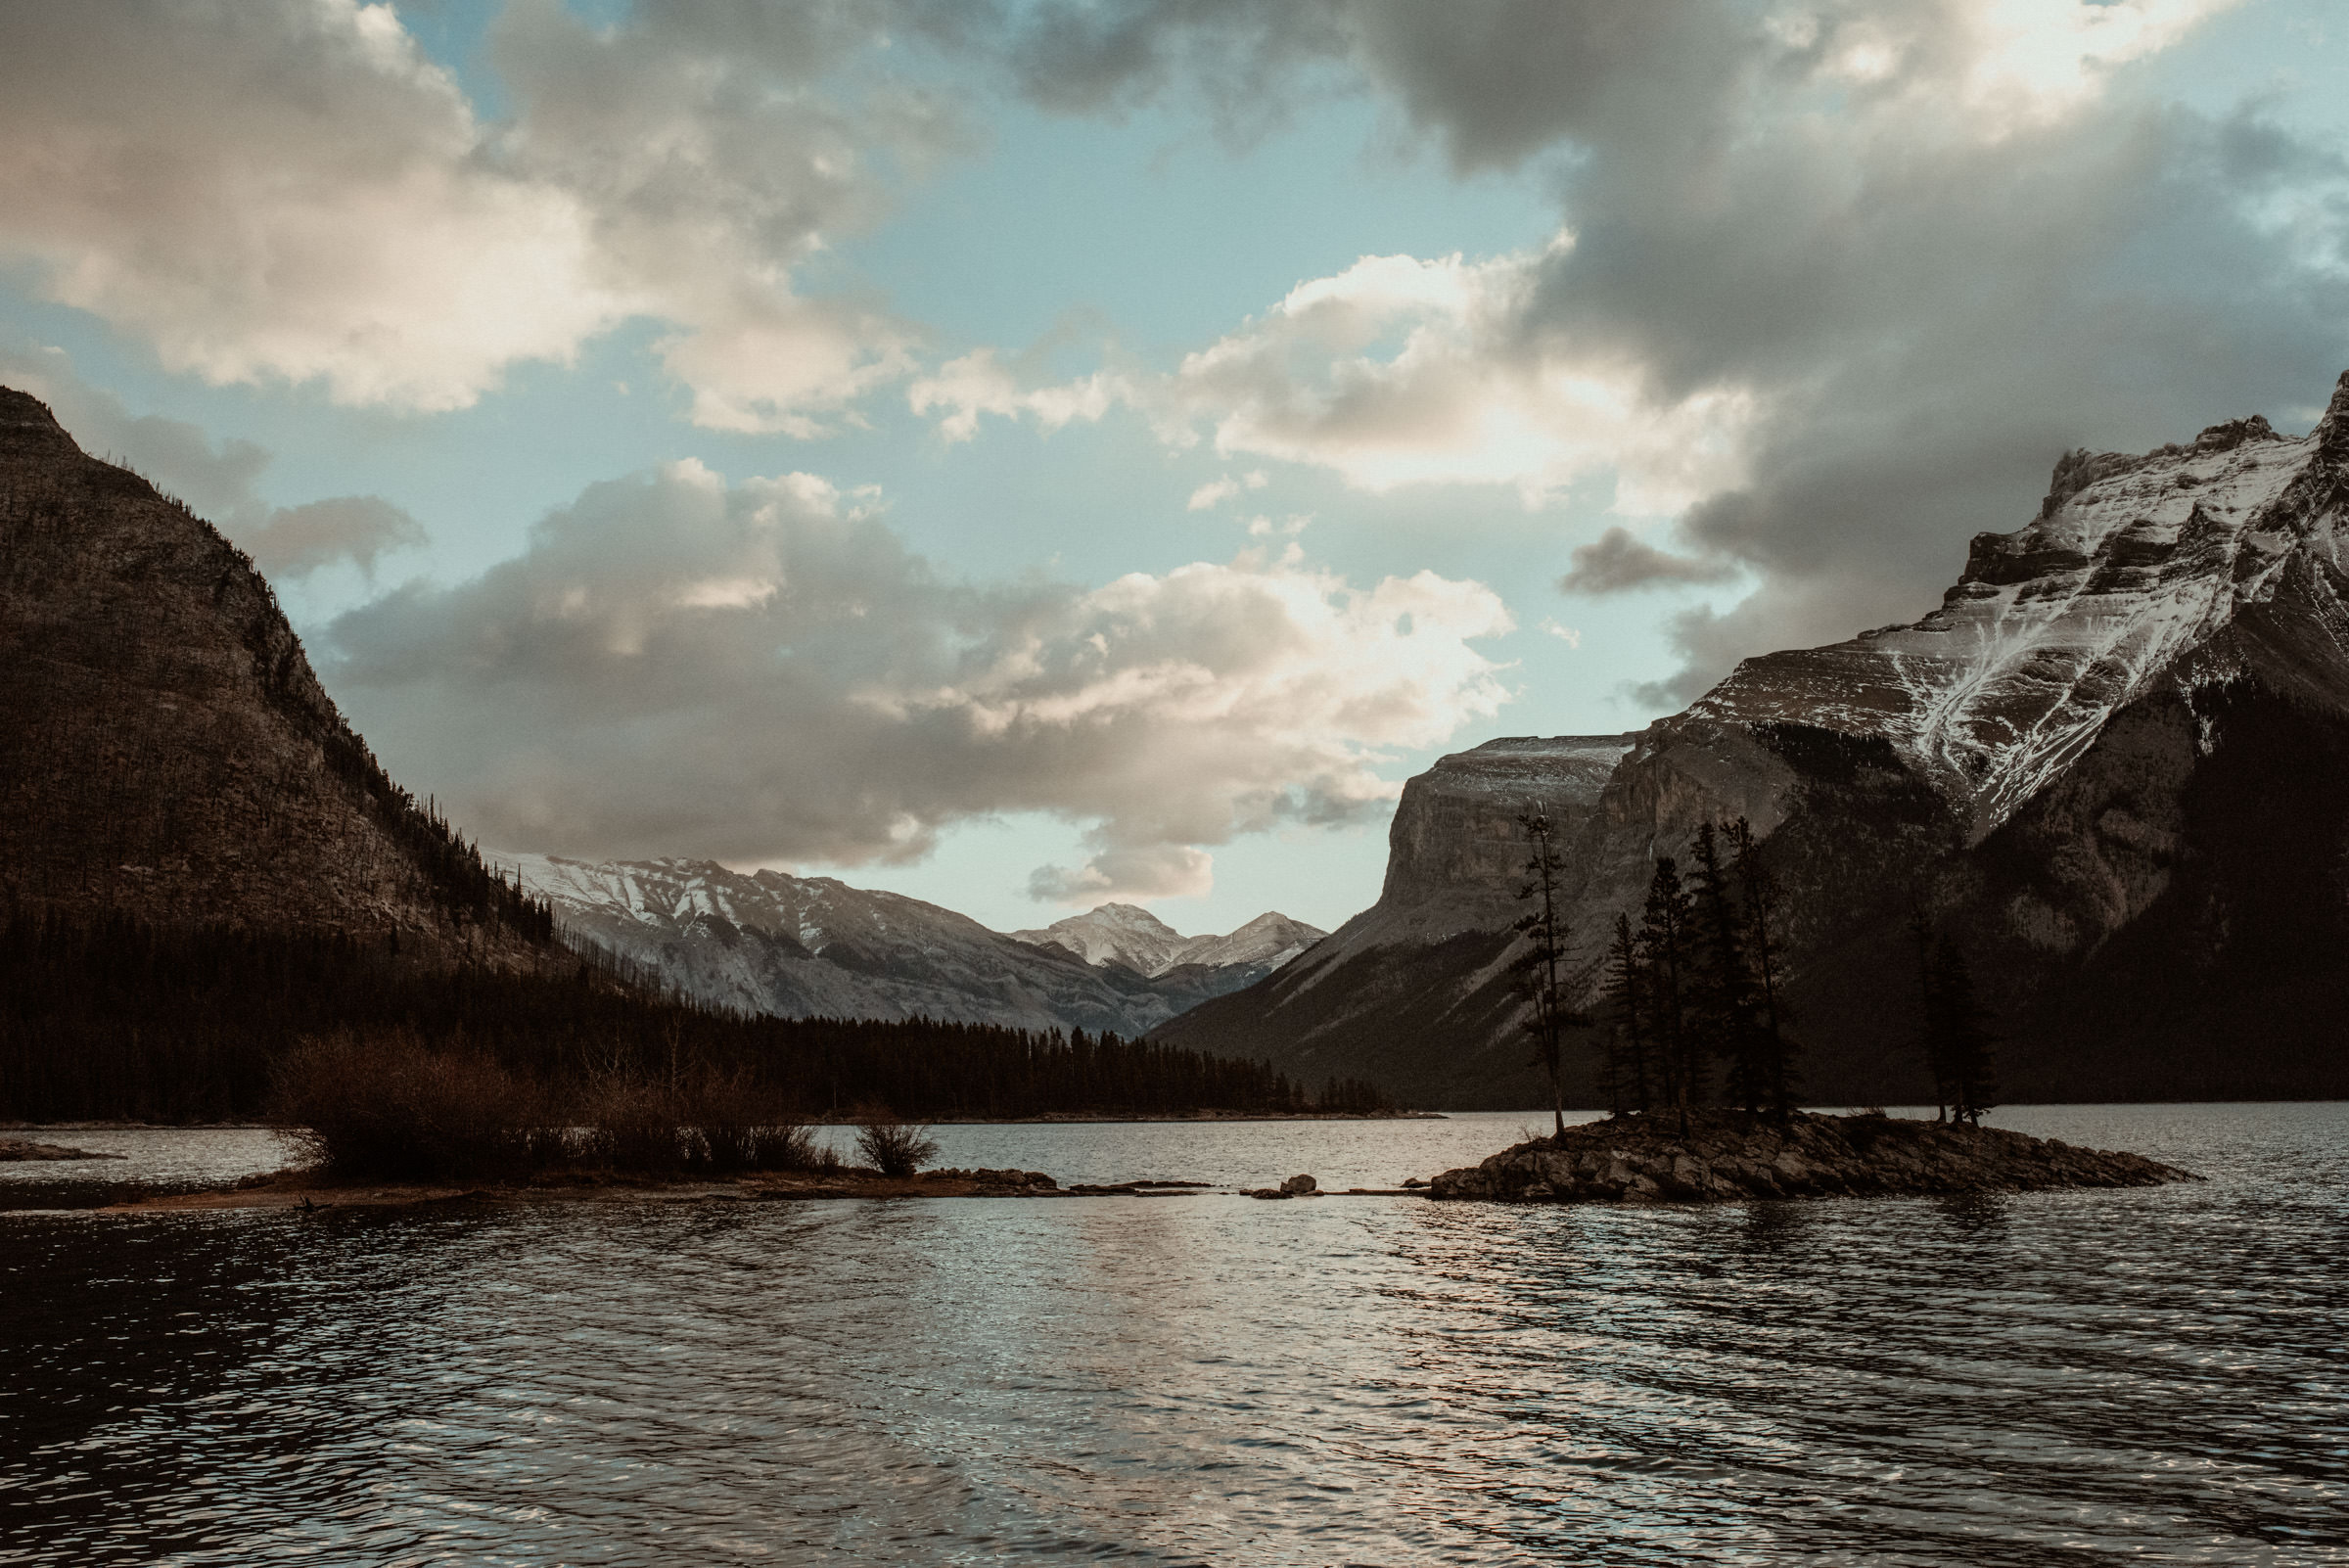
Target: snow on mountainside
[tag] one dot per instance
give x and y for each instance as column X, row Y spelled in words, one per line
column 1128, row 935
column 2108, row 764
column 2131, row 562
column 813, row 946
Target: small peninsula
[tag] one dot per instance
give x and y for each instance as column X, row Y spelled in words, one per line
column 13, row 1149
column 1730, row 1156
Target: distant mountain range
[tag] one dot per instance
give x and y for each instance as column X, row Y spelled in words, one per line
column 2110, row 764
column 1128, row 935
column 813, row 946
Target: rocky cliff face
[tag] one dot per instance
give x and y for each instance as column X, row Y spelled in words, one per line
column 813, row 946
column 165, row 751
column 2108, row 760
column 1415, row 992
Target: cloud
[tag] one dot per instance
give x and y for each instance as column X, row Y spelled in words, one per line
column 1395, row 371
column 1615, row 560
column 298, row 540
column 1835, row 283
column 220, row 479
column 1155, row 871
column 1215, row 492
column 762, row 672
column 1571, row 636
column 290, row 189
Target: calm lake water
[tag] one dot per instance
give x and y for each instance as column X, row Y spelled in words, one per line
column 2147, row 1377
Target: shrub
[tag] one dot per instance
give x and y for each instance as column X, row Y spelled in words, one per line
column 386, row 1105
column 732, row 1122
column 629, row 1126
column 894, row 1147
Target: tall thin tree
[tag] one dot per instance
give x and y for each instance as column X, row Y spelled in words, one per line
column 1921, row 931
column 1773, row 1046
column 1727, row 999
column 1663, row 932
column 1627, row 1086
column 1961, row 1026
column 1544, row 926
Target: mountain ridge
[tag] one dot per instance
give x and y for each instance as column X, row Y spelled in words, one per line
column 2099, row 762
column 1130, row 935
column 768, row 942
column 166, row 751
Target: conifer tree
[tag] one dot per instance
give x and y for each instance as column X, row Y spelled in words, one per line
column 1544, row 926
column 1964, row 1027
column 1664, row 932
column 1774, row 1050
column 1921, row 931
column 1726, row 998
column 1957, row 1039
column 1628, row 1068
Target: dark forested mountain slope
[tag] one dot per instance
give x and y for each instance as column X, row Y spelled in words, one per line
column 165, row 751
column 2111, row 764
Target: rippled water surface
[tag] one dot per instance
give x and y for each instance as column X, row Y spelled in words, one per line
column 2145, row 1376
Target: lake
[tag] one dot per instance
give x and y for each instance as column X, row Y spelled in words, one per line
column 2149, row 1376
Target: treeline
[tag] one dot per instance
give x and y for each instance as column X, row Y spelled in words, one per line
column 1690, row 998
column 1696, row 986
column 115, row 1018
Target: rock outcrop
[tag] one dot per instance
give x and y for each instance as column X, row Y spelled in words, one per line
column 1415, row 992
column 1726, row 1156
column 817, row 947
column 2108, row 764
column 165, row 751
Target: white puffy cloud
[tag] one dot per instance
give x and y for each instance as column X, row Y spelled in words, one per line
column 282, row 188
column 1400, row 371
column 762, row 672
column 289, row 189
column 1215, row 492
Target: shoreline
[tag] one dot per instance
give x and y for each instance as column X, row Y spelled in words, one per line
column 1048, row 1119
column 301, row 1191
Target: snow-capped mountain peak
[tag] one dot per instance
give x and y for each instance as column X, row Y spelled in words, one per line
column 1127, row 935
column 2133, row 564
column 770, row 941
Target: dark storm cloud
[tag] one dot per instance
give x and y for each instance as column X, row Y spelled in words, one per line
column 1932, row 246
column 1615, row 561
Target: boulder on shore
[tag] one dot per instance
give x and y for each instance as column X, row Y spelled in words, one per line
column 1727, row 1156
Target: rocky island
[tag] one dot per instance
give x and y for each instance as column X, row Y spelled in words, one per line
column 1729, row 1156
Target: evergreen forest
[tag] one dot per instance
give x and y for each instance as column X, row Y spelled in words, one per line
column 114, row 1018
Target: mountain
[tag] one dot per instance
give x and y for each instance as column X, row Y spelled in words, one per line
column 165, row 751
column 812, row 946
column 2109, row 763
column 1128, row 935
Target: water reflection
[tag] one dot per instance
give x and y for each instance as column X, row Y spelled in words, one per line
column 2033, row 1380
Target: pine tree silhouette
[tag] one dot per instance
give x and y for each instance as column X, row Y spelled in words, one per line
column 1628, row 1040
column 1663, row 933
column 1546, row 956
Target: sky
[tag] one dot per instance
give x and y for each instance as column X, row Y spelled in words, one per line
column 1026, row 453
